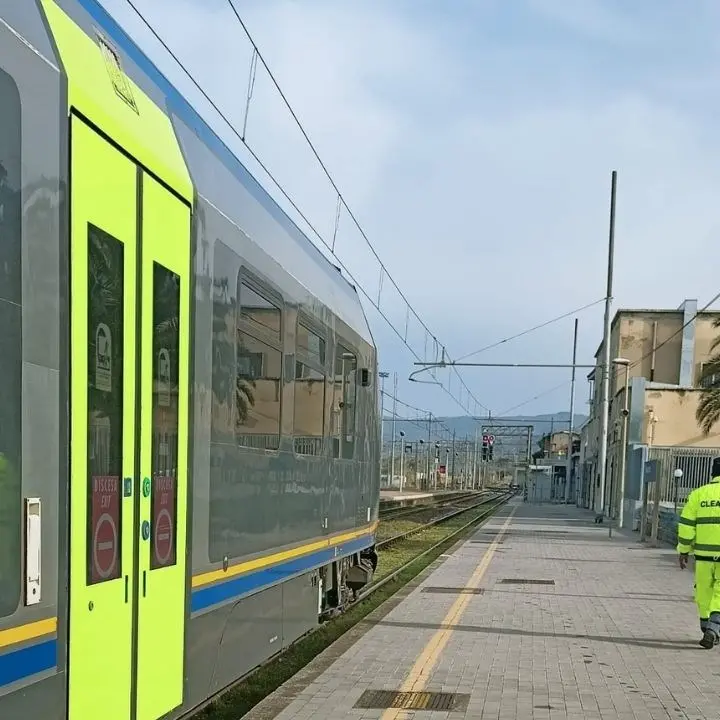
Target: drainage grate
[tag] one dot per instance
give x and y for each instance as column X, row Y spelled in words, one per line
column 525, row 581
column 453, row 590
column 383, row 699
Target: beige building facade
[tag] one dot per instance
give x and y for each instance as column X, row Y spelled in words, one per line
column 666, row 350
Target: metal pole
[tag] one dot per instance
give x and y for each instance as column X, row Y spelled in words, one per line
column 392, row 445
column 427, row 475
column 476, row 468
column 623, row 451
column 453, row 460
column 605, row 367
column 656, row 513
column 572, row 414
column 383, row 375
column 402, row 461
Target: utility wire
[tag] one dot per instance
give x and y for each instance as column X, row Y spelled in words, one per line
column 536, row 397
column 676, row 333
column 341, row 198
column 278, row 185
column 532, row 329
column 632, row 365
column 437, row 420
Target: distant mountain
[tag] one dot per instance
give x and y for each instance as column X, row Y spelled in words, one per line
column 466, row 426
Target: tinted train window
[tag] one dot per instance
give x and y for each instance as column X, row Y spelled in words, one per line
column 310, row 382
column 105, row 404
column 344, row 402
column 258, row 371
column 166, row 348
column 259, row 311
column 10, row 347
column 258, row 389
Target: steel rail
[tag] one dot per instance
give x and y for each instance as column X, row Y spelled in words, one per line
column 436, row 521
column 361, row 596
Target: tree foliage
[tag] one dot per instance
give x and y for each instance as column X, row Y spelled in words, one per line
column 708, row 410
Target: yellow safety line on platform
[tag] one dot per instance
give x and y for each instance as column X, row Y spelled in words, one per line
column 428, row 658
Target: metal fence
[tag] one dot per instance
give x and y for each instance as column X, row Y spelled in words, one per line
column 695, row 464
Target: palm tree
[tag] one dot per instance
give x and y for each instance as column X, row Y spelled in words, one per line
column 244, row 399
column 708, row 410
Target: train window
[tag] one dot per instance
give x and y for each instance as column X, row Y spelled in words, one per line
column 310, row 344
column 259, row 311
column 310, row 382
column 165, row 431
column 258, row 389
column 10, row 348
column 344, row 403
column 105, row 401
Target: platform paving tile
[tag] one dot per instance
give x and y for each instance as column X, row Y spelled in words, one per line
column 615, row 636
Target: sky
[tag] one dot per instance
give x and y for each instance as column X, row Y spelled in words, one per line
column 474, row 142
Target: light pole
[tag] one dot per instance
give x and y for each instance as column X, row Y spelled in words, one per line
column 622, row 362
column 392, row 445
column 402, row 459
column 383, row 376
column 678, row 477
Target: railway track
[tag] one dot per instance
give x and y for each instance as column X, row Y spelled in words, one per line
column 398, row 553
column 393, row 513
column 394, row 531
column 489, row 506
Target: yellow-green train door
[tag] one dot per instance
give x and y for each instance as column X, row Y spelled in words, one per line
column 103, row 243
column 130, row 346
column 164, row 373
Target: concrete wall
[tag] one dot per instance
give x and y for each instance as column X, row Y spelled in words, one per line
column 673, row 410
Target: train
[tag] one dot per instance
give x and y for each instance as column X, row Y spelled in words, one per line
column 189, row 404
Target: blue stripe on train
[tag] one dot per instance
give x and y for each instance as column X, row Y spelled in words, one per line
column 27, row 661
column 205, row 597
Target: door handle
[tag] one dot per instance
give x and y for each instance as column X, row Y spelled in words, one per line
column 126, row 588
column 144, row 582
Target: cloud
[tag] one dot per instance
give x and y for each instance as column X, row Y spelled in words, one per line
column 475, row 147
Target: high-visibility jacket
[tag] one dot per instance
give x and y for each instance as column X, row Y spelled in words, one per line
column 699, row 523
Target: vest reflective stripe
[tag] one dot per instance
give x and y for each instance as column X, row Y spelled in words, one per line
column 699, row 523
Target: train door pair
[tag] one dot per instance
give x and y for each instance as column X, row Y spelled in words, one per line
column 129, row 359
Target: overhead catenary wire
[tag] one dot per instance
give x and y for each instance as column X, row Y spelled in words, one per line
column 677, row 332
column 530, row 330
column 635, row 363
column 257, row 55
column 420, row 410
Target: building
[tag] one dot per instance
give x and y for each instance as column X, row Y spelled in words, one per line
column 666, row 350
column 552, row 458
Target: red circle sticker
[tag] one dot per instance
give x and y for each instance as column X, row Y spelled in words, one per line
column 163, row 538
column 105, row 546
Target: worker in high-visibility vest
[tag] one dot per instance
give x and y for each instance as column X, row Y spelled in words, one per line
column 699, row 533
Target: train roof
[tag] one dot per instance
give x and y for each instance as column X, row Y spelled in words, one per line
column 330, row 286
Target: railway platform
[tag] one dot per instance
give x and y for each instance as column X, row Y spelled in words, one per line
column 537, row 615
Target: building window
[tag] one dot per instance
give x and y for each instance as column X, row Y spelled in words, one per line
column 10, row 347
column 708, row 377
column 344, row 403
column 310, row 388
column 258, row 371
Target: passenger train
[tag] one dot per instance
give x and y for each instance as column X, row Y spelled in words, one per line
column 189, row 426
